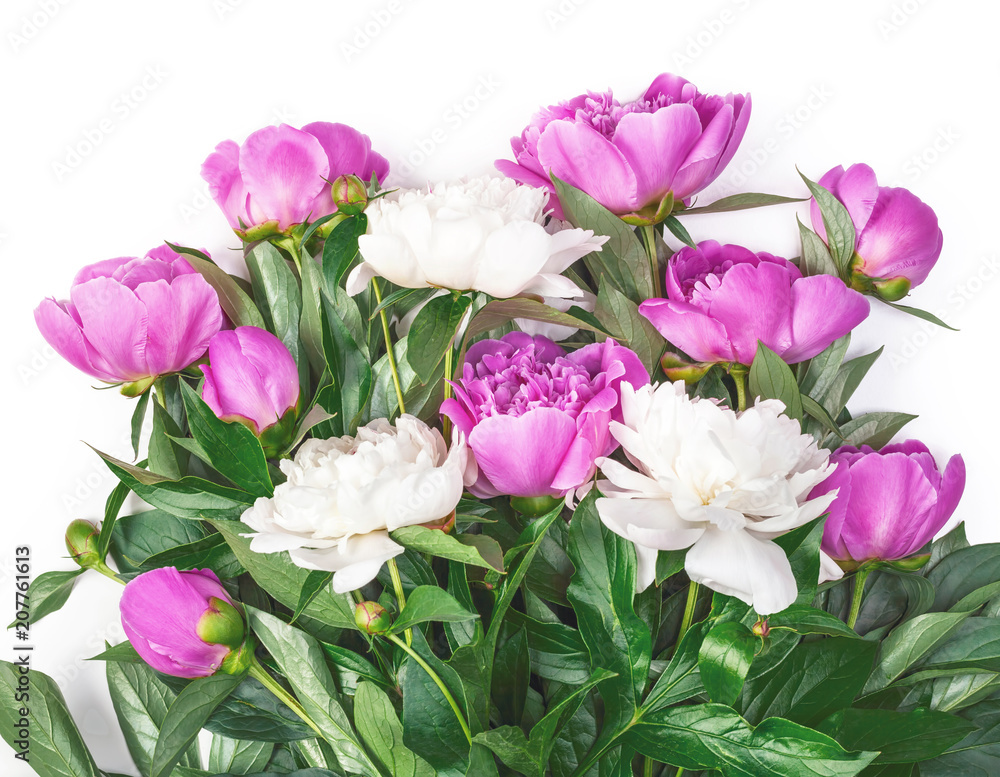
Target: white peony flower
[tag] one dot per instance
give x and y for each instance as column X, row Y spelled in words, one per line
column 484, row 234
column 344, row 495
column 721, row 483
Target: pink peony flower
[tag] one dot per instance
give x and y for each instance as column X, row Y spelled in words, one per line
column 673, row 140
column 722, row 299
column 131, row 319
column 897, row 238
column 537, row 418
column 891, row 502
column 174, row 619
column 280, row 173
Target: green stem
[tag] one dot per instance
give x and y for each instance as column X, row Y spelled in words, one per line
column 740, row 379
column 388, row 348
column 649, row 241
column 258, row 673
column 289, row 245
column 107, row 571
column 680, row 771
column 689, row 607
column 647, row 767
column 445, row 421
column 397, row 584
column 860, row 578
column 437, row 681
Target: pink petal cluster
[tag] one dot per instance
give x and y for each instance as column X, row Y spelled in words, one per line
column 722, row 299
column 281, row 173
column 890, row 502
column 897, row 235
column 160, row 613
column 128, row 319
column 630, row 156
column 535, row 417
column 251, row 377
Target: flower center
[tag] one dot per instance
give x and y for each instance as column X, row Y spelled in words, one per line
column 603, row 112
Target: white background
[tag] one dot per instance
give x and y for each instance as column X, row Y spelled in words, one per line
column 111, row 107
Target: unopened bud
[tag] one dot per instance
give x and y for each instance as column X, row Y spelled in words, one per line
column 81, row 542
column 761, row 629
column 535, row 506
column 677, row 368
column 372, row 618
column 350, row 194
column 893, row 289
column 221, row 624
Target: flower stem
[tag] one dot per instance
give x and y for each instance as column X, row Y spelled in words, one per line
column 740, row 379
column 445, row 421
column 388, row 348
column 107, row 571
column 647, row 767
column 258, row 673
column 397, row 584
column 437, row 681
column 860, row 578
column 689, row 607
column 649, row 241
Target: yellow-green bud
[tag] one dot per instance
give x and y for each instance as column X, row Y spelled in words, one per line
column 350, row 194
column 221, row 624
column 372, row 618
column 81, row 542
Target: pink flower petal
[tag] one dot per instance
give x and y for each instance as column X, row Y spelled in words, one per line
column 702, row 338
column 823, row 310
column 902, row 238
column 114, row 321
column 225, row 184
column 63, row 333
column 182, row 318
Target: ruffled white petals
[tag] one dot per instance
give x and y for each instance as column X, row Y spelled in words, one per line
column 484, row 234
column 343, row 496
column 718, row 482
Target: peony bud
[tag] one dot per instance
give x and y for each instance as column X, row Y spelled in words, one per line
column 761, row 629
column 81, row 542
column 350, row 194
column 183, row 623
column 251, row 378
column 534, row 506
column 372, row 618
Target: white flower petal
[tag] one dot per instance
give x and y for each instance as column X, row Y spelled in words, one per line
column 355, row 563
column 737, row 564
column 651, row 523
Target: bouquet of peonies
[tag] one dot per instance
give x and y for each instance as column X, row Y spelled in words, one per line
column 509, row 476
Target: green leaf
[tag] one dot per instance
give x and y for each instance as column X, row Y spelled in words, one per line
column 501, row 311
column 275, row 285
column 315, row 582
column 166, row 457
column 557, row 651
column 814, row 409
column 142, row 536
column 622, row 259
column 185, row 718
column 821, row 370
column 908, row 643
column 975, row 644
column 724, row 660
column 946, row 545
column 188, row 497
column 669, row 563
column 347, row 662
column 433, row 332
column 252, row 712
column 276, row 574
column 803, row 619
column 742, row 201
column 816, row 259
column 141, row 702
column 849, row 376
column 138, row 418
column 802, row 546
column 530, row 755
column 301, row 660
column 54, row 746
column 771, row 378
column 679, row 231
column 814, row 680
column 681, row 679
column 921, row 314
column 237, row 756
column 352, row 374
column 123, row 652
column 712, row 736
column 381, row 730
column 236, row 303
column 475, row 549
column 601, row 592
column 231, row 447
column 620, row 316
column 341, row 248
column 874, row 429
column 978, row 755
column 112, row 507
column 511, row 675
column 839, row 227
column 902, row 737
column 413, row 298
column 49, row 592
column 430, row 603
column 963, row 572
